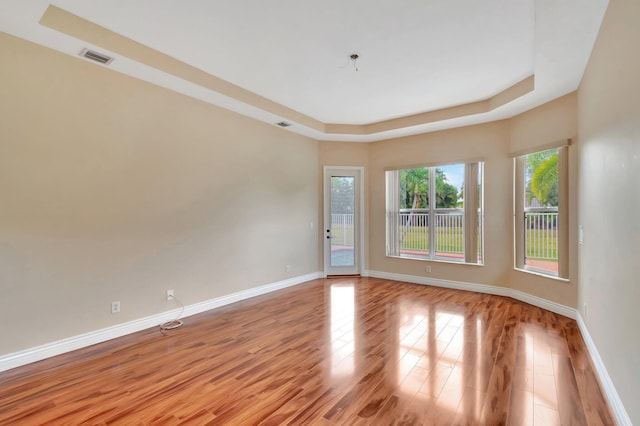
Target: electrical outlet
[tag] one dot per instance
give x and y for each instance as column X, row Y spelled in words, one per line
column 169, row 294
column 427, row 269
column 115, row 307
column 287, row 268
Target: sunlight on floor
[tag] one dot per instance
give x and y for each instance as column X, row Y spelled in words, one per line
column 342, row 333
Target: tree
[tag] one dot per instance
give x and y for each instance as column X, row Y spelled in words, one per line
column 461, row 197
column 446, row 194
column 341, row 195
column 414, row 189
column 542, row 177
column 544, row 182
column 414, row 192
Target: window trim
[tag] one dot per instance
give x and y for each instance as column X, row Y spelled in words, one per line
column 563, row 211
column 471, row 220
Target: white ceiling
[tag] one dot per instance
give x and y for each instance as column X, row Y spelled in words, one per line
column 415, row 55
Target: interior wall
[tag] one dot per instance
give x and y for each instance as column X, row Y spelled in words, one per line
column 493, row 142
column 489, row 142
column 609, row 182
column 529, row 132
column 115, row 189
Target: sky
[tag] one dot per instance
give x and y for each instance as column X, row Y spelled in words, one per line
column 455, row 174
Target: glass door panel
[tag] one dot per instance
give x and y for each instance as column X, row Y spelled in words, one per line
column 342, row 212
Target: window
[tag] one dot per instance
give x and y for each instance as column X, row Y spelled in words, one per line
column 541, row 230
column 435, row 213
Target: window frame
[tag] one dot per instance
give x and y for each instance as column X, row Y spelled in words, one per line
column 519, row 212
column 473, row 217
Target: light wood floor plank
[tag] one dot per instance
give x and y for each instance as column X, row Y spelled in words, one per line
column 351, row 350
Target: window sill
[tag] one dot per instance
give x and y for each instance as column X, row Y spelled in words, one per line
column 541, row 273
column 438, row 260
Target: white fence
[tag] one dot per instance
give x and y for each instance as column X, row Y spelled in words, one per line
column 541, row 233
column 414, row 230
column 342, row 229
column 541, row 227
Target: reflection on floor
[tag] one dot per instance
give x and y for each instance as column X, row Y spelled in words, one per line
column 340, row 351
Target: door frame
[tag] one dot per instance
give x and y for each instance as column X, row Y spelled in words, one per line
column 359, row 216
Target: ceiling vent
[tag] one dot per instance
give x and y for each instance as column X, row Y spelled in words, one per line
column 283, row 124
column 95, row 56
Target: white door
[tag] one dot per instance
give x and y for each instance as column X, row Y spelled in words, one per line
column 342, row 210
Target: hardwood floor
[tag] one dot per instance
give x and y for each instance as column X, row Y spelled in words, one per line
column 338, row 351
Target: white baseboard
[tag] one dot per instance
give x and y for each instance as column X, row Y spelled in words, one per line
column 480, row 288
column 609, row 389
column 17, row 359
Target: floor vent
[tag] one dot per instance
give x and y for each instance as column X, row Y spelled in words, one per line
column 95, row 56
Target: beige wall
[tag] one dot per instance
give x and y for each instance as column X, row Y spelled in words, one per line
column 492, row 142
column 487, row 141
column 609, row 186
column 115, row 189
column 529, row 132
column 554, row 121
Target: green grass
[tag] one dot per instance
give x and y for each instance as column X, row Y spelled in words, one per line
column 546, row 241
column 450, row 240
